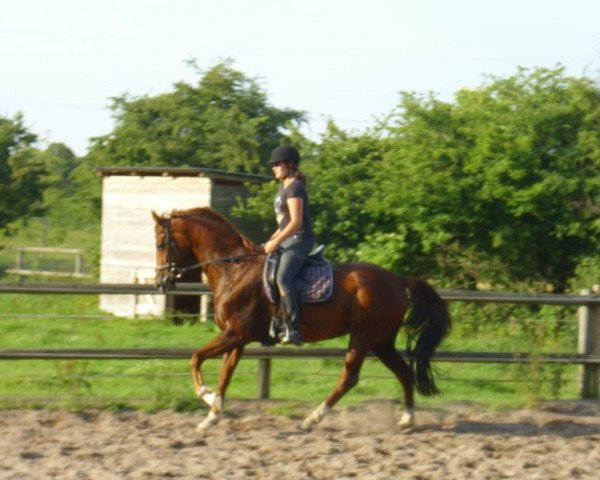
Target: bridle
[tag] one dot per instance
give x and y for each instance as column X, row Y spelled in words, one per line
column 174, row 272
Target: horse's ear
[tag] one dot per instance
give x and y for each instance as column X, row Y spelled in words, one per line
column 155, row 216
column 249, row 244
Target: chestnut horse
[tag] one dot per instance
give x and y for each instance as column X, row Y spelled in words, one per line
column 368, row 303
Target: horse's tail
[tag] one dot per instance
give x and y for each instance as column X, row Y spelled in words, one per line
column 427, row 324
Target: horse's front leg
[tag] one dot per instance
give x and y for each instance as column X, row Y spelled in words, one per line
column 223, row 344
column 216, row 400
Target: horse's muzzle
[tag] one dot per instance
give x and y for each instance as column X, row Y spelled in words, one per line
column 164, row 281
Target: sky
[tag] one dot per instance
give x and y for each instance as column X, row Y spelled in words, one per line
column 62, row 60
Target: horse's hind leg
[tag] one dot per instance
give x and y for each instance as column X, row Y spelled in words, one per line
column 391, row 358
column 353, row 361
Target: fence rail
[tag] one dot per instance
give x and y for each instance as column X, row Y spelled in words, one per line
column 588, row 354
column 20, row 271
column 102, row 288
column 269, row 352
column 200, row 288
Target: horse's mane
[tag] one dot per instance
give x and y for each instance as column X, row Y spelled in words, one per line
column 207, row 213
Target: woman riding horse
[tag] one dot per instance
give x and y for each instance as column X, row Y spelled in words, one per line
column 294, row 235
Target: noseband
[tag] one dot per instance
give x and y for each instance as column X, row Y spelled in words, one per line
column 173, row 272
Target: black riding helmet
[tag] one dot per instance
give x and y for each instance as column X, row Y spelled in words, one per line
column 284, row 153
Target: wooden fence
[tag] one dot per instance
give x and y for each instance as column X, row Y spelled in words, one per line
column 588, row 354
column 21, row 271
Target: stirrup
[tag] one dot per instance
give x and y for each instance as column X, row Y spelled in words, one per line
column 293, row 337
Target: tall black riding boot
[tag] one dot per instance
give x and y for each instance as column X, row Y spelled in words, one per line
column 292, row 307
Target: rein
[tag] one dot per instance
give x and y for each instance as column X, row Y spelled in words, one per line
column 179, row 271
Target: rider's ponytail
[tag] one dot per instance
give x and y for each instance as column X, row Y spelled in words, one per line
column 295, row 172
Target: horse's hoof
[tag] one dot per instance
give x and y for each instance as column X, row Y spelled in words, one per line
column 211, row 420
column 305, row 426
column 407, row 420
column 314, row 418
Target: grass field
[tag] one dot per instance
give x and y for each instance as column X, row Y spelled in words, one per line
column 59, row 321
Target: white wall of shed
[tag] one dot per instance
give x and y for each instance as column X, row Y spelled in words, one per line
column 128, row 245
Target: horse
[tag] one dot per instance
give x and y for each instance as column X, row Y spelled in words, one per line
column 368, row 303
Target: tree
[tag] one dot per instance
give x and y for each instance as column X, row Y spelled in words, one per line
column 72, row 193
column 501, row 186
column 341, row 174
column 224, row 121
column 21, row 175
column 60, row 161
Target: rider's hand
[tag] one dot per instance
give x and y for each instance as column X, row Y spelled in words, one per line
column 271, row 246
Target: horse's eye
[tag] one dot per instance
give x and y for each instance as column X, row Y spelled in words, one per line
column 160, row 247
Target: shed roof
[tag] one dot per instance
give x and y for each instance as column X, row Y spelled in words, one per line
column 213, row 173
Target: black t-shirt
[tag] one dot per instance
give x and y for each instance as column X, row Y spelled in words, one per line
column 295, row 189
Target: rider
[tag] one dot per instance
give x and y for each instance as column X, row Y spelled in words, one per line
column 294, row 233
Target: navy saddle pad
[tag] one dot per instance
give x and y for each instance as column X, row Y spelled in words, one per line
column 314, row 281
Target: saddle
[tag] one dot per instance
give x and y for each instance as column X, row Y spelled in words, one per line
column 314, row 282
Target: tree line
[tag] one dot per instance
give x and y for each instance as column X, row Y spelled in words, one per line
column 499, row 187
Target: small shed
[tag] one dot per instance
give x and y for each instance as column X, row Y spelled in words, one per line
column 129, row 195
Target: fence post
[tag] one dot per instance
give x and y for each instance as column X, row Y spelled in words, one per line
column 205, row 302
column 264, row 378
column 589, row 344
column 19, row 263
column 78, row 263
